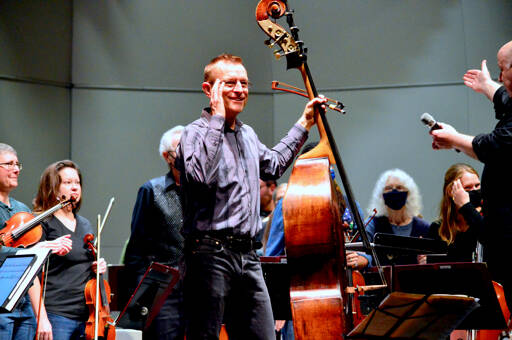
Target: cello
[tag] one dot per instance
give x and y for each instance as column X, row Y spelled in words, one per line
column 312, row 208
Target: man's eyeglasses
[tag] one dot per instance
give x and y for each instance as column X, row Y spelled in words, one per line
column 230, row 84
column 11, row 165
column 170, row 154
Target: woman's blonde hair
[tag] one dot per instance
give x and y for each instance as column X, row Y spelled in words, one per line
column 451, row 221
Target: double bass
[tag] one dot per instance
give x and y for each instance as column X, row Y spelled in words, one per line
column 312, row 207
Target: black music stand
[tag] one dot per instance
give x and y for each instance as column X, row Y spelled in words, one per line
column 470, row 279
column 414, row 316
column 277, row 279
column 406, row 244
column 17, row 272
column 149, row 296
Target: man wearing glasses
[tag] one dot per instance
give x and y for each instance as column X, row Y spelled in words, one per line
column 9, row 171
column 21, row 322
column 221, row 161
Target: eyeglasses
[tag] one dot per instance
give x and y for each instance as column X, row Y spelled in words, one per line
column 11, row 165
column 170, row 154
column 230, row 84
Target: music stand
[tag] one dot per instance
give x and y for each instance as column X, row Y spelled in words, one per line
column 470, row 279
column 277, row 278
column 414, row 316
column 17, row 272
column 149, row 296
column 391, row 243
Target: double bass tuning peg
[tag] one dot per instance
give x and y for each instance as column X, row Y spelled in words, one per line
column 277, row 53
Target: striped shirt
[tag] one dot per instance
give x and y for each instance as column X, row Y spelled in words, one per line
column 220, row 171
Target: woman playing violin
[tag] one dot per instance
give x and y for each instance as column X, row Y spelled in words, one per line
column 67, row 275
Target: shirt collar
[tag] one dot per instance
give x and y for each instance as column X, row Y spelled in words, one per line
column 3, row 205
column 207, row 113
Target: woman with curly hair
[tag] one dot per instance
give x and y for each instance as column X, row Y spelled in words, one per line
column 398, row 202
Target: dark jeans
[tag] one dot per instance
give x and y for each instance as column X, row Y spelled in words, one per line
column 287, row 331
column 20, row 324
column 222, row 285
column 65, row 328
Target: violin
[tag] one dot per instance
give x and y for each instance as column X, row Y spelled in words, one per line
column 354, row 279
column 100, row 324
column 23, row 229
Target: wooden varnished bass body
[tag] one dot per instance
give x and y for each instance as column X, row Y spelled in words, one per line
column 315, row 250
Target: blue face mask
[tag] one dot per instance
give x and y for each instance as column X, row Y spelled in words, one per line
column 395, row 199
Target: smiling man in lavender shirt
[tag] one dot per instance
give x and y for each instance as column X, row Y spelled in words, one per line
column 221, row 161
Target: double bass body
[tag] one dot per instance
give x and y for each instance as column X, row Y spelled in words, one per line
column 315, row 251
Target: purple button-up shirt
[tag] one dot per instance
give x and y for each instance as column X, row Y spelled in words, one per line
column 220, row 170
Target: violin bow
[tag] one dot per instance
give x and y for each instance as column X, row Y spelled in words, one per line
column 42, row 295
column 97, row 243
column 107, row 213
column 97, row 303
column 335, row 106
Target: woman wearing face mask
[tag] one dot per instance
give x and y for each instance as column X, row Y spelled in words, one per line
column 398, row 202
column 67, row 275
column 460, row 223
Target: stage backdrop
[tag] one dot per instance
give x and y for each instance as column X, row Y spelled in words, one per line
column 99, row 82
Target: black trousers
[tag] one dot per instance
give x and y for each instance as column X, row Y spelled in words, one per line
column 224, row 285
